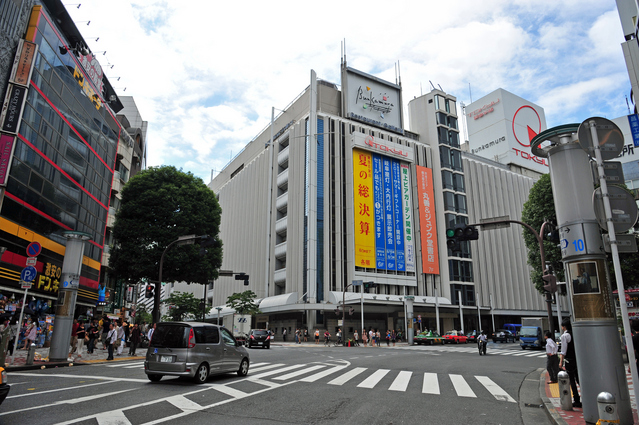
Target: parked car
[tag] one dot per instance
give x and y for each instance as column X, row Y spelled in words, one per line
column 194, row 350
column 456, row 337
column 471, row 336
column 428, row 337
column 259, row 338
column 503, row 335
column 4, row 387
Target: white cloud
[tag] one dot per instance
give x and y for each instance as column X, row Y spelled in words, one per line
column 205, row 74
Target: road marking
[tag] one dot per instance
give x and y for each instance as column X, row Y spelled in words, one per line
column 461, row 386
column 122, row 364
column 60, row 389
column 184, row 403
column 374, row 379
column 115, row 417
column 401, row 382
column 497, row 391
column 341, row 380
column 298, row 373
column 266, row 367
column 431, row 384
column 87, row 399
column 322, row 374
column 92, row 377
column 286, row 369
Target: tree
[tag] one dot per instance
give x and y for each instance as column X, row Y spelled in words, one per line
column 159, row 205
column 541, row 206
column 141, row 315
column 243, row 303
column 181, row 305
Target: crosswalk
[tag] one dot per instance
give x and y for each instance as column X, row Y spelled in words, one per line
column 472, row 349
column 365, row 378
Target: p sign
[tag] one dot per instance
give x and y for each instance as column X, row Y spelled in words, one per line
column 34, row 249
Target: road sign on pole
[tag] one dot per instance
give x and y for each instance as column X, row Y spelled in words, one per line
column 34, row 249
column 28, row 274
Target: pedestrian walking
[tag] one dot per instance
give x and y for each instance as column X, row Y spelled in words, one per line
column 364, row 338
column 552, row 361
column 30, row 335
column 111, row 337
column 74, row 336
column 284, row 335
column 356, row 338
column 81, row 334
column 371, row 337
column 393, row 337
column 378, row 338
column 297, row 336
column 93, row 336
column 121, row 340
column 388, row 338
column 150, row 334
column 568, row 360
column 305, row 334
column 106, row 326
column 327, row 337
column 135, row 339
column 316, row 336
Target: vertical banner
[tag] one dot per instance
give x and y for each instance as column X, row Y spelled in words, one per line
column 633, row 121
column 408, row 218
column 427, row 223
column 398, row 217
column 363, row 208
column 6, row 153
column 389, row 233
column 378, row 189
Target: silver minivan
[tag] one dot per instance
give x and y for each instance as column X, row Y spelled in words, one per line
column 195, row 350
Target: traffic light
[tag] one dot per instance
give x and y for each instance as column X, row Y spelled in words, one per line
column 452, row 240
column 149, row 291
column 244, row 277
column 369, row 285
column 551, row 286
column 553, row 235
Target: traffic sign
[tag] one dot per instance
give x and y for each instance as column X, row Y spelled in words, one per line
column 34, row 249
column 32, row 261
column 28, row 274
column 25, row 285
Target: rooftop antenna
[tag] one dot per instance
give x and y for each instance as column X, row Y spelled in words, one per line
column 399, row 72
column 440, row 87
column 395, row 73
column 470, row 93
column 421, row 92
column 431, row 84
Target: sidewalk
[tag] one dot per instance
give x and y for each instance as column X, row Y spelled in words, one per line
column 550, row 397
column 41, row 360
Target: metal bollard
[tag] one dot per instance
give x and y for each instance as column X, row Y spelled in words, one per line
column 607, row 406
column 565, row 397
column 31, row 354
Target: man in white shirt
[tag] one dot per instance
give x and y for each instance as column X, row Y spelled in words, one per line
column 552, row 360
column 150, row 334
column 112, row 335
column 568, row 360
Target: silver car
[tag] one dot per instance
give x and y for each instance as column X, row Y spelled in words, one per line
column 194, row 350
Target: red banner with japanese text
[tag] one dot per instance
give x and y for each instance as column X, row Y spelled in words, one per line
column 427, row 222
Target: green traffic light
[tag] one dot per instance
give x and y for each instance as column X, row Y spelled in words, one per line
column 450, row 233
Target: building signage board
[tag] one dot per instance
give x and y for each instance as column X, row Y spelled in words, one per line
column 12, row 108
column 383, row 147
column 23, row 63
column 633, row 122
column 363, row 205
column 371, row 100
column 378, row 198
column 501, row 126
column 408, row 218
column 389, row 230
column 7, row 145
column 427, row 221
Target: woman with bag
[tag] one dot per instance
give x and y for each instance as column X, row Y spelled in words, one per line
column 82, row 334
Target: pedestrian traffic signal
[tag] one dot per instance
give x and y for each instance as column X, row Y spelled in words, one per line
column 369, row 285
column 551, row 286
column 149, row 291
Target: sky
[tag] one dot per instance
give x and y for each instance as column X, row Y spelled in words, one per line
column 206, row 73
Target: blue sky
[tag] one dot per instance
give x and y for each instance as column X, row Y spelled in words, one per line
column 205, row 73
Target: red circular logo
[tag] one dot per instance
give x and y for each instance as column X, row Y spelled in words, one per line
column 528, row 125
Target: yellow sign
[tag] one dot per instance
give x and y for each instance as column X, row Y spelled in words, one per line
column 364, row 212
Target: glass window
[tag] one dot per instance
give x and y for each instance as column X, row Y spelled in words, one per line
column 447, row 180
column 458, row 182
column 452, row 122
column 460, row 202
column 442, row 118
column 453, row 139
column 212, row 335
column 451, row 106
column 449, row 201
column 442, row 135
column 456, row 160
column 451, row 219
column 227, row 337
column 199, row 334
column 444, row 156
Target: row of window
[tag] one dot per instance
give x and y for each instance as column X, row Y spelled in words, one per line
column 467, row 293
column 448, row 137
column 460, row 270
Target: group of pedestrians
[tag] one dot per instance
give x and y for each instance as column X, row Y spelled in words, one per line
column 565, row 359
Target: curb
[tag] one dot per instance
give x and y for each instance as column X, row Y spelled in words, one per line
column 553, row 415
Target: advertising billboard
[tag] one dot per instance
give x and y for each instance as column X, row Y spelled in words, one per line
column 371, row 100
column 427, row 221
column 383, row 219
column 501, row 126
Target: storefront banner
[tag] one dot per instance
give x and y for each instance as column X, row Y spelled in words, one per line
column 363, row 208
column 7, row 144
column 398, row 217
column 408, row 218
column 23, row 63
column 427, row 222
column 12, row 108
column 378, row 188
column 388, row 214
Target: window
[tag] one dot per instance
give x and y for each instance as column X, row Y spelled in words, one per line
column 453, row 139
column 448, row 181
column 442, row 118
column 212, row 335
column 452, row 122
column 227, row 337
column 467, row 294
column 460, row 204
column 449, row 201
column 456, row 160
column 460, row 270
column 451, row 107
column 444, row 156
column 458, row 182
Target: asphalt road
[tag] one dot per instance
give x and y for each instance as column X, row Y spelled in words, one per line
column 296, row 384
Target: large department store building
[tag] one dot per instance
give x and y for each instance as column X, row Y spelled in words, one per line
column 62, row 149
column 337, row 190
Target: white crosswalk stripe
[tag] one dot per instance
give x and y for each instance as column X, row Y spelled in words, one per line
column 461, row 386
column 401, row 382
column 347, row 376
column 495, row 389
column 374, row 379
column 431, row 384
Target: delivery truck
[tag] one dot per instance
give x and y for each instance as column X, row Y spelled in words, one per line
column 531, row 333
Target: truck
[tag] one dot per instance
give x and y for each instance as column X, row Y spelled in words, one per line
column 241, row 327
column 531, row 333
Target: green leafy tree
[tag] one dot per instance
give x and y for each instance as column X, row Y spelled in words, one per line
column 141, row 315
column 159, row 205
column 181, row 306
column 243, row 303
column 540, row 207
